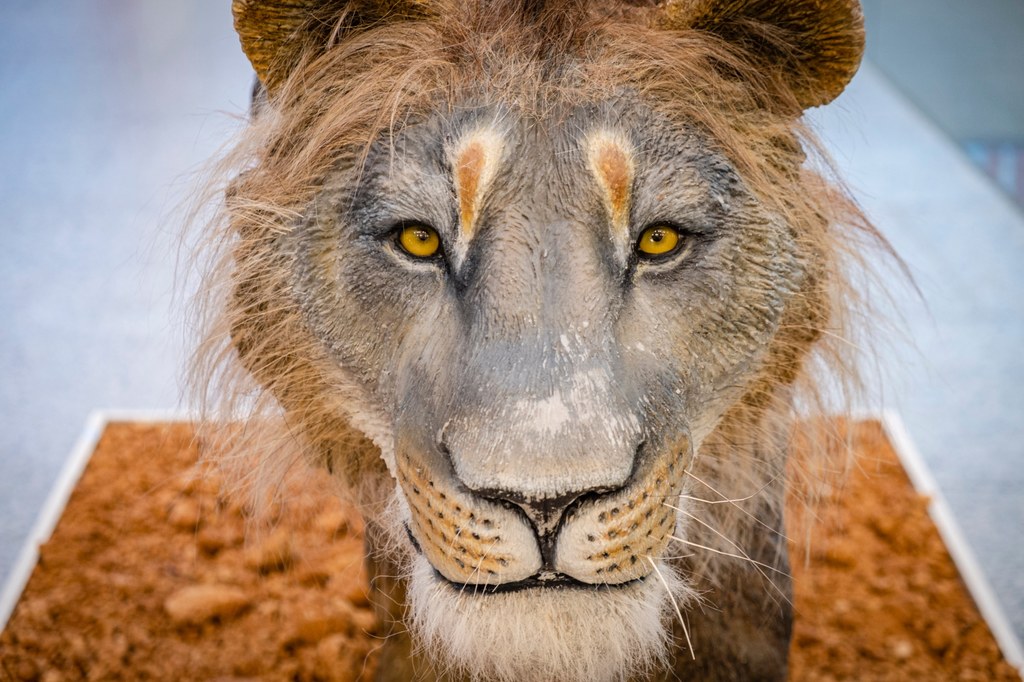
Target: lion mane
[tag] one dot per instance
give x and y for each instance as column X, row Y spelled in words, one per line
column 571, row 455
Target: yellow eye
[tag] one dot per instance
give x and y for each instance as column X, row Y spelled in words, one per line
column 419, row 241
column 657, row 240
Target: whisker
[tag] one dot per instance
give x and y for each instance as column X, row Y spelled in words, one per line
column 690, row 543
column 379, row 591
column 755, row 563
column 675, row 605
column 732, row 501
column 726, row 500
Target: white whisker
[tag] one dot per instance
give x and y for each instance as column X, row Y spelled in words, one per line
column 743, row 555
column 732, row 501
column 726, row 500
column 675, row 605
column 738, row 548
column 690, row 543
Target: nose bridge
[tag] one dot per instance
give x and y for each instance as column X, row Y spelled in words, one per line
column 539, row 275
column 542, row 414
column 541, row 410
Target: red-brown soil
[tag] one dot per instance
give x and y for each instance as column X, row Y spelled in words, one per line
column 877, row 595
column 149, row 576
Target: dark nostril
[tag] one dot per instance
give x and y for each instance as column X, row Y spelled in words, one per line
column 544, row 513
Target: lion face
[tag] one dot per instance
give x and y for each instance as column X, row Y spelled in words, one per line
column 552, row 315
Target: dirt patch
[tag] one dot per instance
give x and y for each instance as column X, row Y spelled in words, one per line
column 877, row 595
column 149, row 576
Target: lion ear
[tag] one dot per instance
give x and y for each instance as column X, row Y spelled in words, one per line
column 815, row 46
column 275, row 34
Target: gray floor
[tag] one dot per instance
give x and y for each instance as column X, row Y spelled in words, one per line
column 107, row 106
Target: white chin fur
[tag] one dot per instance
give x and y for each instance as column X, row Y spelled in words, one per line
column 570, row 635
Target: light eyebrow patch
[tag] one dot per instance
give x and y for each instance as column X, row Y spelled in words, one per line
column 611, row 162
column 475, row 160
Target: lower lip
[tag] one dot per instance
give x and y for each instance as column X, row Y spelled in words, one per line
column 550, row 581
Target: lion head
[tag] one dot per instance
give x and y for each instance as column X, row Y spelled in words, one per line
column 563, row 264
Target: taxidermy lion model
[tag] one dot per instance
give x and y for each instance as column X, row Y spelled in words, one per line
column 542, row 283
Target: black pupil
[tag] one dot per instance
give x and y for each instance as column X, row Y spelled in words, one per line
column 657, row 236
column 422, row 235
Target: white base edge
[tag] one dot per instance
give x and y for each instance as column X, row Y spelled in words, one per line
column 956, row 544
column 60, row 493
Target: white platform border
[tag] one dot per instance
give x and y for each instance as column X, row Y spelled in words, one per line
column 899, row 437
column 961, row 553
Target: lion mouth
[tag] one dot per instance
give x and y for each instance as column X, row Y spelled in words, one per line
column 545, row 580
column 606, row 539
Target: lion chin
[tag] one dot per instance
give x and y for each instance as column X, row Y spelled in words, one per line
column 539, row 633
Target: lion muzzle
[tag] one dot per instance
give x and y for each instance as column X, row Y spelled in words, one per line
column 501, row 539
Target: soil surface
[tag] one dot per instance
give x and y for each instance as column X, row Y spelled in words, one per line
column 150, row 575
column 876, row 593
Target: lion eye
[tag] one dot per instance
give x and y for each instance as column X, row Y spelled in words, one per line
column 658, row 240
column 419, row 241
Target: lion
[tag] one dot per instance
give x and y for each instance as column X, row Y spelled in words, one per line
column 544, row 284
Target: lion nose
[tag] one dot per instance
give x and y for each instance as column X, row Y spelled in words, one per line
column 545, row 513
column 539, row 470
column 547, row 507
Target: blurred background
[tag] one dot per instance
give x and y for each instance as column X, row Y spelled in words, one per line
column 109, row 107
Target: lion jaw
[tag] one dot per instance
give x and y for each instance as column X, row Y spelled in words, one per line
column 566, row 634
